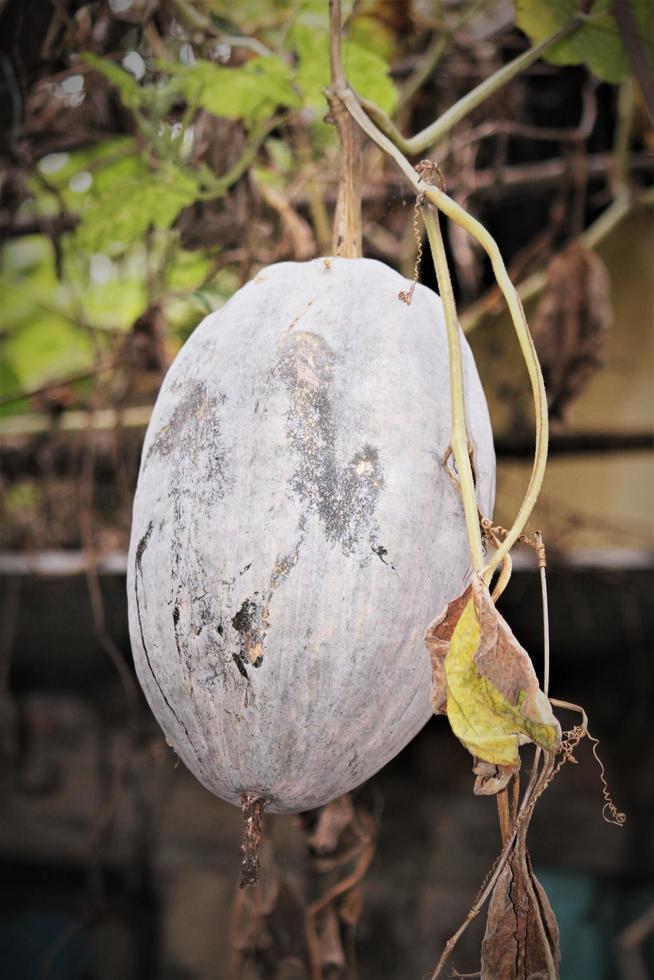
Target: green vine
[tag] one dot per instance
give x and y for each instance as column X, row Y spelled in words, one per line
column 459, row 442
column 461, row 217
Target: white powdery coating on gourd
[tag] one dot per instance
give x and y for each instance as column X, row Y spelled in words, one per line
column 295, row 531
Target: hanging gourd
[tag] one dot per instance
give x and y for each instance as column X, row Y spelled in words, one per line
column 296, row 526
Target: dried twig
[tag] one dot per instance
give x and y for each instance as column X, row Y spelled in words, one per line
column 343, row 832
column 346, row 239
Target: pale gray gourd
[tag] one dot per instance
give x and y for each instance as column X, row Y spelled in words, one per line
column 296, row 529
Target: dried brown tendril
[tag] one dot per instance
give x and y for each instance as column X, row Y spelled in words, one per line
column 615, row 815
column 407, row 296
column 426, row 170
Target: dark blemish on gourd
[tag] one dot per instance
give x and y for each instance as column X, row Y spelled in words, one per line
column 245, row 622
column 244, row 618
column 299, row 315
column 138, row 571
column 197, row 475
column 221, row 629
column 344, row 495
column 242, row 665
column 381, row 552
column 251, row 620
column 192, row 440
column 178, row 643
column 142, row 545
column 247, row 568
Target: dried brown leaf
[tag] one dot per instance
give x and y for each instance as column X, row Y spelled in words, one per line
column 333, row 819
column 570, row 325
column 438, row 638
column 491, row 778
column 267, row 937
column 521, row 941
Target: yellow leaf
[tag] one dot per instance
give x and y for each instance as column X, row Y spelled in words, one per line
column 491, row 691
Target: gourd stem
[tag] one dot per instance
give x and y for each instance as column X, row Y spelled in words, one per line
column 459, row 442
column 252, row 811
column 488, row 243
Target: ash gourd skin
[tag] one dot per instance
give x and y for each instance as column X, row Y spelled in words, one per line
column 295, row 530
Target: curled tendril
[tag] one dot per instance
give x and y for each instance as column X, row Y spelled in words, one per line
column 407, row 296
column 426, row 170
column 615, row 816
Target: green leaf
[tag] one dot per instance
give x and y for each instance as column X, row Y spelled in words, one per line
column 10, row 385
column 366, row 71
column 281, row 155
column 131, row 199
column 130, row 91
column 251, row 92
column 186, row 270
column 372, row 34
column 46, row 348
column 22, row 496
column 116, row 304
column 110, row 155
column 267, row 177
column 596, row 43
column 250, row 16
column 370, row 76
column 29, row 256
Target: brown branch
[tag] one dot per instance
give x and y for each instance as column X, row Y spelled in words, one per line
column 630, row 945
column 58, row 383
column 530, row 177
column 431, row 58
column 503, row 813
column 301, row 238
column 38, row 226
column 335, row 52
column 507, row 127
column 538, row 176
column 366, row 851
column 96, row 601
column 346, row 240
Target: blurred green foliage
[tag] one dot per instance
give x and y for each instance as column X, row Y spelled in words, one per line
column 68, row 299
column 597, row 44
column 60, row 313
